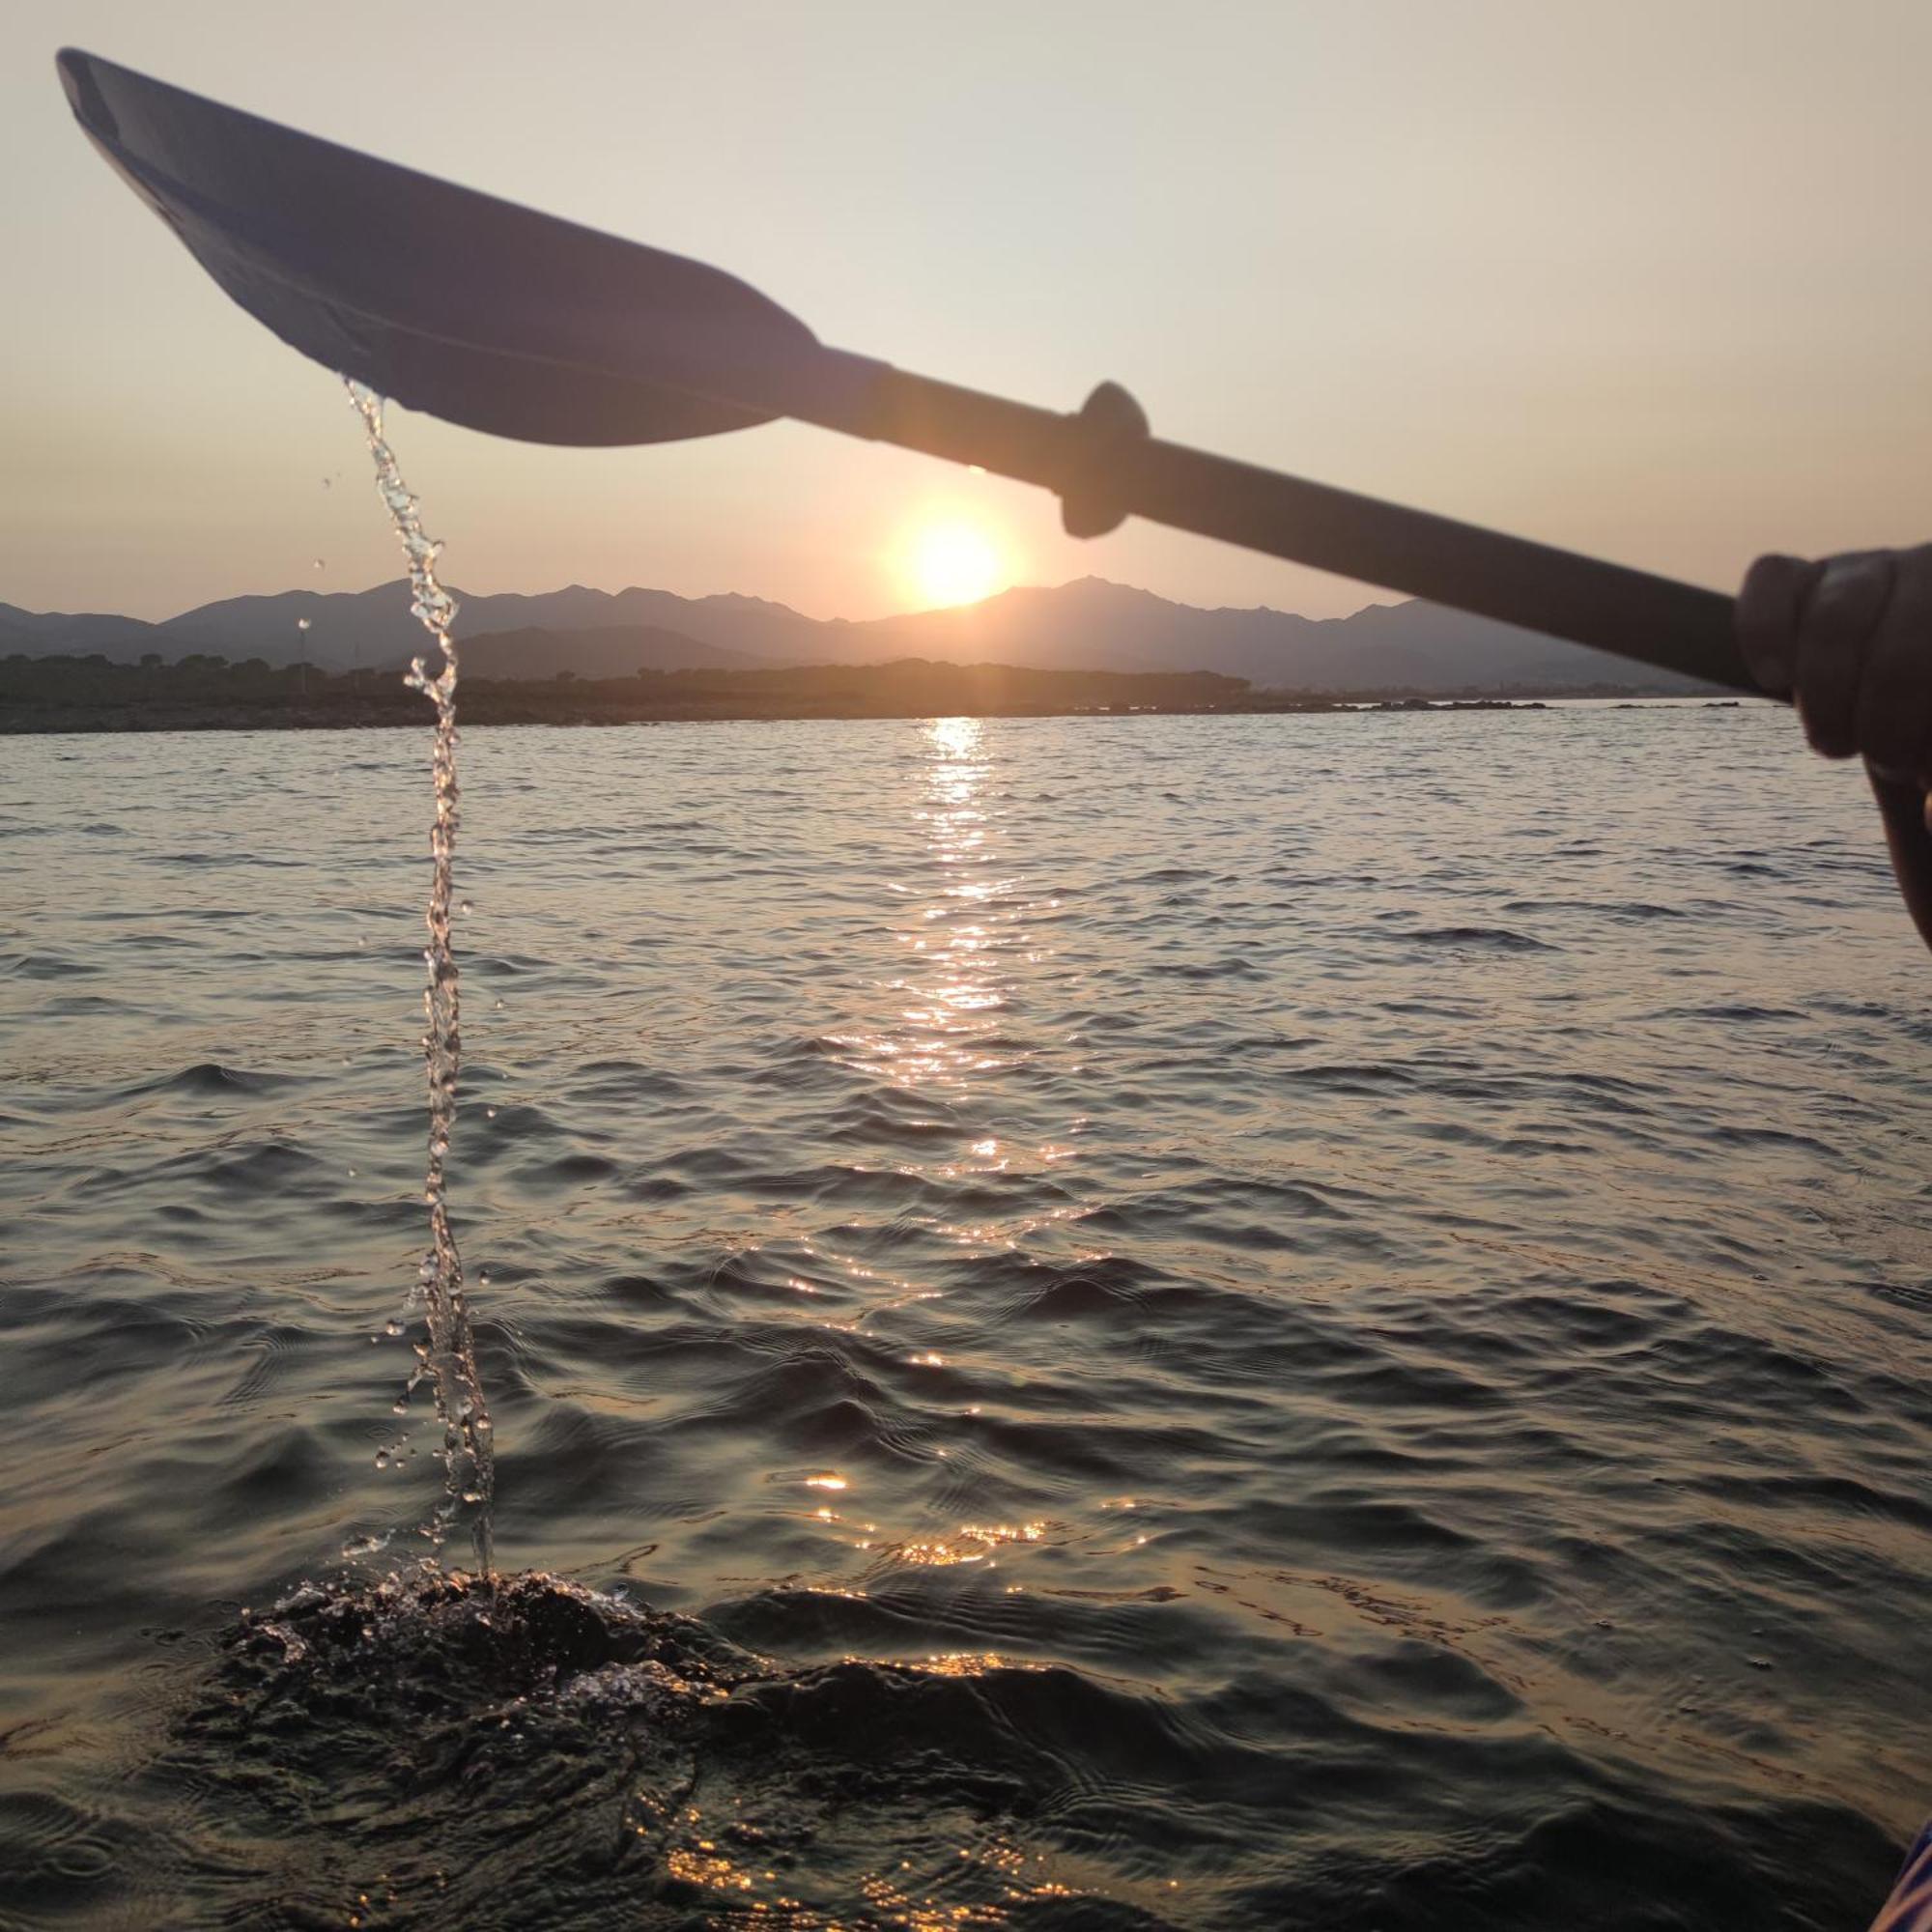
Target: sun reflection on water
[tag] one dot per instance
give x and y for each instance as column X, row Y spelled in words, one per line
column 949, row 1003
column 938, row 1040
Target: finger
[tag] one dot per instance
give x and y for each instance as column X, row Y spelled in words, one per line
column 1893, row 718
column 1835, row 627
column 1766, row 619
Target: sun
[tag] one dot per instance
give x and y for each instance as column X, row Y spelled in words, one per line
column 953, row 561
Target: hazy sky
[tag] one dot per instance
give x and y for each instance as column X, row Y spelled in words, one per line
column 1652, row 280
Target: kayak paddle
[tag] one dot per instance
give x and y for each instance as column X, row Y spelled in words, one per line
column 515, row 323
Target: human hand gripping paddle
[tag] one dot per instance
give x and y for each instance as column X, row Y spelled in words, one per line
column 1849, row 640
column 520, row 324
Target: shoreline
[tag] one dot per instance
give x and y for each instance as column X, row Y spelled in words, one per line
column 68, row 695
column 154, row 723
column 485, row 707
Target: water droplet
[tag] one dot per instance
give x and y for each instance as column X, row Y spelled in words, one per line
column 488, row 1112
column 466, row 907
column 449, row 1360
column 392, row 1327
column 320, row 564
column 381, row 1459
column 302, row 623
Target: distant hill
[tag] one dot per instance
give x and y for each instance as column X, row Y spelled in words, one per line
column 375, row 627
column 54, row 632
column 1088, row 625
column 1093, row 623
column 348, row 629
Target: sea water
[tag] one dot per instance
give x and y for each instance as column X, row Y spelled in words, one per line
column 1219, row 1323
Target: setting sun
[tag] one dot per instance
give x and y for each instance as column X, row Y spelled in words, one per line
column 953, row 562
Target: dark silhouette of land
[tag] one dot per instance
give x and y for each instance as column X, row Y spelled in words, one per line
column 206, row 693
column 1087, row 626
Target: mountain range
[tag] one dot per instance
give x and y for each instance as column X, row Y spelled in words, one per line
column 1089, row 624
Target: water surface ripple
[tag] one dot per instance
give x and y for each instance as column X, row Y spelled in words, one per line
column 1203, row 1323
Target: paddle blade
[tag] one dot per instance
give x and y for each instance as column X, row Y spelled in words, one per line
column 454, row 302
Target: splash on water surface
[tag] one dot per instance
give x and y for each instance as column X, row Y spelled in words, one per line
column 447, row 1361
column 577, row 1759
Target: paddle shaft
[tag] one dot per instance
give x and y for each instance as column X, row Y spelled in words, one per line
column 1116, row 466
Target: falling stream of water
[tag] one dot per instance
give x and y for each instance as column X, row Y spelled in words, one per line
column 448, row 1360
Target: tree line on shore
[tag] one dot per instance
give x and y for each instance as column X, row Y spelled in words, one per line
column 95, row 693
column 203, row 691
